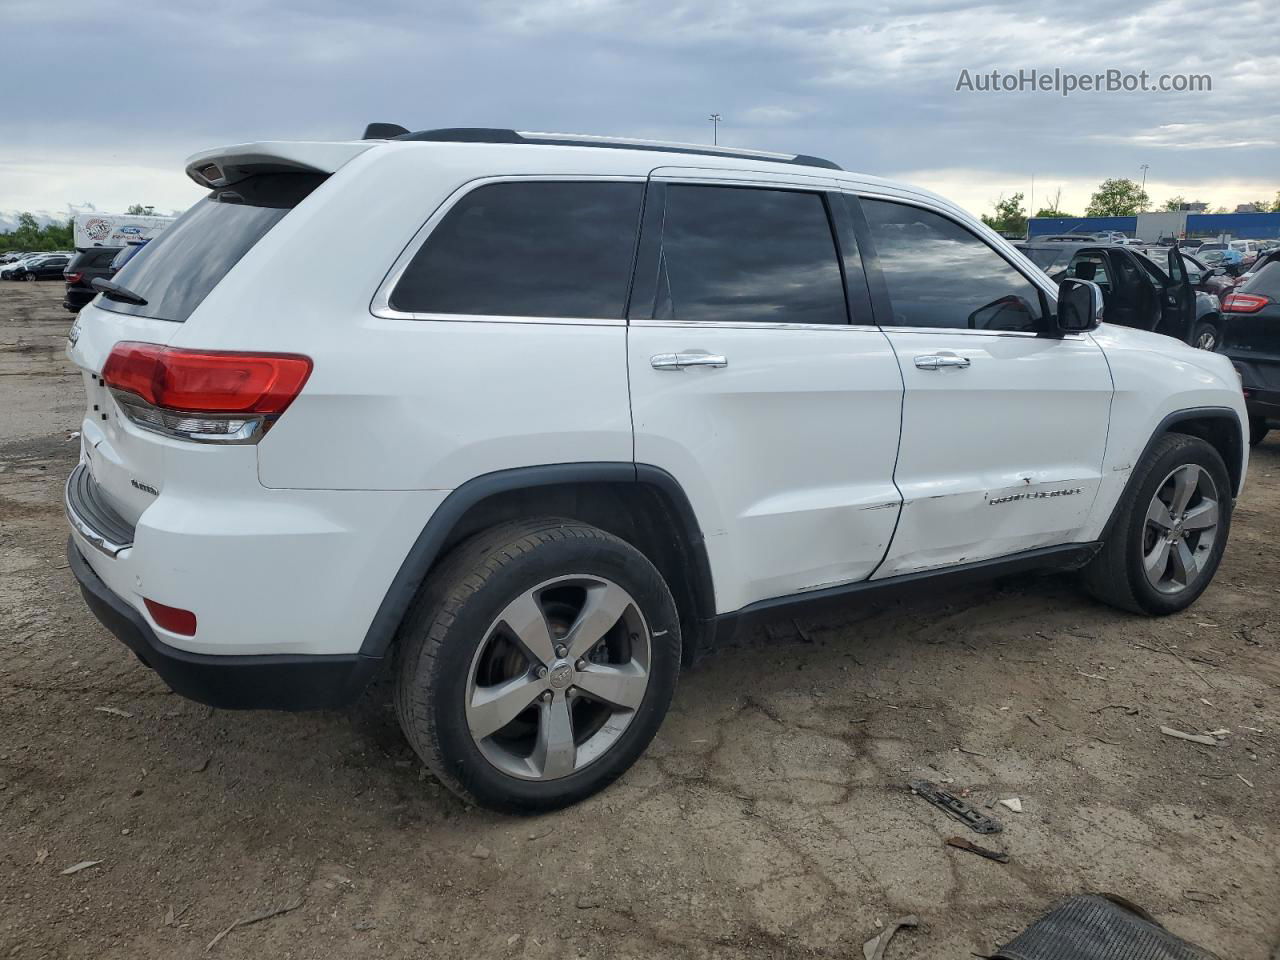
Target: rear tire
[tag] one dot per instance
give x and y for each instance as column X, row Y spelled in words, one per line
column 536, row 664
column 1258, row 430
column 1169, row 531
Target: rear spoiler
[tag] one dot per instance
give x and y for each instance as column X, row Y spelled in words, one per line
column 223, row 165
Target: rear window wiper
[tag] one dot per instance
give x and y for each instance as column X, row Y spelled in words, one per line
column 114, row 291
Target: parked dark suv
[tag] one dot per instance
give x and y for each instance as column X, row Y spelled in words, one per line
column 79, row 274
column 1251, row 339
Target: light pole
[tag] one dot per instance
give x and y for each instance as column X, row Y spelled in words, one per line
column 1143, row 168
column 715, row 128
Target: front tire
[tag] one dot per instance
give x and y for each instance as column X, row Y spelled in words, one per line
column 536, row 664
column 1206, row 337
column 1170, row 530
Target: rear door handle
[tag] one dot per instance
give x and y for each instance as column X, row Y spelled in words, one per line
column 938, row 361
column 678, row 361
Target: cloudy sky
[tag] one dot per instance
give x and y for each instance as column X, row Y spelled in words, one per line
column 105, row 100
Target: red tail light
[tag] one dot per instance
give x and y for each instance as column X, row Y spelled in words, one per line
column 73, row 277
column 196, row 381
column 1244, row 303
column 173, row 619
column 205, row 396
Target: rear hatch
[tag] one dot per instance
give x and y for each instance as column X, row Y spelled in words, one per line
column 172, row 275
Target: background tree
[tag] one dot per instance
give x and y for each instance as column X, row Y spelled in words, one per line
column 139, row 210
column 1054, row 208
column 1010, row 216
column 29, row 235
column 1117, row 198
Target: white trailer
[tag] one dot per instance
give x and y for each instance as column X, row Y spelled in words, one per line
column 116, row 230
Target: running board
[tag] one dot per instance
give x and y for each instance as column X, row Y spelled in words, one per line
column 1071, row 556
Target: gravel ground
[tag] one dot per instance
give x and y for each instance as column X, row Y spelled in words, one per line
column 769, row 818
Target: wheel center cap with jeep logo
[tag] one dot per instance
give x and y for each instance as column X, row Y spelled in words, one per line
column 561, row 675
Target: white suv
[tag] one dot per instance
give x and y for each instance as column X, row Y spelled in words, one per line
column 567, row 410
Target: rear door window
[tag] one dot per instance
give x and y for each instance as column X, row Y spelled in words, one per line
column 528, row 249
column 176, row 271
column 746, row 255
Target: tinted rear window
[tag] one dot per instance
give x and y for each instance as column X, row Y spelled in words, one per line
column 176, row 271
column 1264, row 283
column 95, row 257
column 747, row 255
column 529, row 249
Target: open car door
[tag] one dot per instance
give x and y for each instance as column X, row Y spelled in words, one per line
column 1177, row 301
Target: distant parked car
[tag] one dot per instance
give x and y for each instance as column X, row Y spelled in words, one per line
column 1138, row 293
column 1251, row 340
column 79, row 274
column 10, row 270
column 1203, row 277
column 44, row 266
column 1248, row 250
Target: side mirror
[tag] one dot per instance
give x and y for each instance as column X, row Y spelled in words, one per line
column 1079, row 305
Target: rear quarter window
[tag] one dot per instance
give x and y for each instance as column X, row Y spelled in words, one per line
column 177, row 270
column 528, row 249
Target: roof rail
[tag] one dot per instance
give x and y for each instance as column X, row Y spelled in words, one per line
column 498, row 135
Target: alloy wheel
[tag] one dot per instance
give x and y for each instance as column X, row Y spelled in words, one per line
column 558, row 677
column 1180, row 529
column 1208, row 340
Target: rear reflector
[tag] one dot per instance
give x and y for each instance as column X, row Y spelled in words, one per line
column 1244, row 303
column 196, row 381
column 171, row 618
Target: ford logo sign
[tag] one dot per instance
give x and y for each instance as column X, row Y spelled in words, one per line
column 131, row 230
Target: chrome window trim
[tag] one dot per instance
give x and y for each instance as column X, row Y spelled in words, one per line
column 380, row 305
column 749, row 325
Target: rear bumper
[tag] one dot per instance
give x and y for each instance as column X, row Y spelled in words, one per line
column 77, row 297
column 1260, row 379
column 236, row 682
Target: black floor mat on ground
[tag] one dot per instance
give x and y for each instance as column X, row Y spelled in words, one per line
column 1098, row 928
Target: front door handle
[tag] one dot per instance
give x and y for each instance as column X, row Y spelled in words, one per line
column 938, row 361
column 678, row 361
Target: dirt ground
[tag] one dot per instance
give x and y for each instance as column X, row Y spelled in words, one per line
column 770, row 817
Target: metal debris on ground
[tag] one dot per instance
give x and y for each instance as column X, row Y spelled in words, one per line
column 1205, row 739
column 1013, row 803
column 256, row 918
column 874, row 948
column 960, row 843
column 115, row 712
column 82, row 865
column 954, row 807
